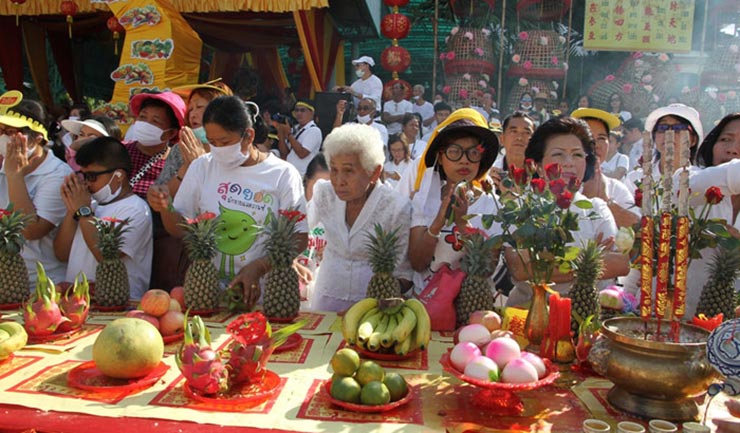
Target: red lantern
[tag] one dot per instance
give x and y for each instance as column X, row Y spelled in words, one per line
column 395, row 26
column 17, row 4
column 69, row 8
column 395, row 59
column 115, row 27
column 396, row 3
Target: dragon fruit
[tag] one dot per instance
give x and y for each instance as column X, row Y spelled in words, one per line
column 201, row 365
column 41, row 314
column 76, row 306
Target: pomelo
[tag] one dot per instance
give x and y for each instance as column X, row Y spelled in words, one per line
column 128, row 348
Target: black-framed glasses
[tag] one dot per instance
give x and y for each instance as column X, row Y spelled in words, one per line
column 92, row 176
column 676, row 127
column 454, row 152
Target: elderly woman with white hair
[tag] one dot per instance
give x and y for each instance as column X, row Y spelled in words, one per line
column 349, row 205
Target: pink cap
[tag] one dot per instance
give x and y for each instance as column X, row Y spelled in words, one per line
column 173, row 100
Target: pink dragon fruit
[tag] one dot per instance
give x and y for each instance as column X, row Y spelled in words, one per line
column 201, row 365
column 76, row 306
column 41, row 314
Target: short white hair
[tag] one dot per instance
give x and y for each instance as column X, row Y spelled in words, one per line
column 356, row 139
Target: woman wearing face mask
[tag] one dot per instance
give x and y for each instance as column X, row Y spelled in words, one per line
column 193, row 142
column 241, row 185
column 29, row 180
column 101, row 189
column 86, row 130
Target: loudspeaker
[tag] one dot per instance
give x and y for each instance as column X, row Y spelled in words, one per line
column 326, row 109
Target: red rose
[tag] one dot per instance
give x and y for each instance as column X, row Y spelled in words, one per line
column 557, row 186
column 713, row 195
column 638, row 197
column 552, row 171
column 295, row 215
column 205, row 216
column 574, row 184
column 530, row 165
column 4, row 212
column 538, row 185
column 519, row 175
column 564, row 200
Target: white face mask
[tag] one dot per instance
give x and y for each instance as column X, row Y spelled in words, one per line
column 437, row 101
column 230, row 156
column 359, row 73
column 415, row 97
column 200, row 134
column 5, row 140
column 364, row 119
column 104, row 195
column 74, row 117
column 147, row 134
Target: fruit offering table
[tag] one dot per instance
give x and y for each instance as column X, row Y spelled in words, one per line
column 35, row 393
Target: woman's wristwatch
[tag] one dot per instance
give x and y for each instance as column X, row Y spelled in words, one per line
column 84, row 211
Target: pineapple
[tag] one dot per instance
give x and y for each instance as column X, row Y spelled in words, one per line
column 383, row 251
column 111, row 278
column 282, row 298
column 14, row 283
column 202, row 289
column 476, row 292
column 718, row 295
column 587, row 269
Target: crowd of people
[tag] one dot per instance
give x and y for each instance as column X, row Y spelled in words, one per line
column 408, row 165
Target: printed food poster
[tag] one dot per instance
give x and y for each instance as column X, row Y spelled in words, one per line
column 160, row 51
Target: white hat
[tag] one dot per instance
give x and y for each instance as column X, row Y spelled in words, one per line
column 679, row 110
column 75, row 126
column 364, row 59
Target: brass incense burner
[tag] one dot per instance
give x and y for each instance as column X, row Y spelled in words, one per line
column 653, row 377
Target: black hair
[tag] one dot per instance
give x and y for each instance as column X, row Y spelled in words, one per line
column 110, row 125
column 633, row 123
column 518, row 114
column 588, row 98
column 562, row 126
column 105, row 151
column 33, row 110
column 704, row 156
column 260, row 127
column 441, row 106
column 317, row 165
column 153, row 102
column 230, row 113
column 408, row 117
column 83, row 108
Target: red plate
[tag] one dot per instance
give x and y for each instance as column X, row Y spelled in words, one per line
column 282, row 319
column 355, row 407
column 10, row 306
column 172, row 338
column 291, row 343
column 384, row 356
column 244, row 397
column 35, row 339
column 552, row 374
column 87, row 377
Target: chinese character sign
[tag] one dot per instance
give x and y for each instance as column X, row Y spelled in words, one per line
column 639, row 25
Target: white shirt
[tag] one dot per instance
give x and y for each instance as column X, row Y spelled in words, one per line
column 310, row 138
column 383, row 133
column 426, row 110
column 396, row 109
column 616, row 161
column 621, row 195
column 588, row 229
column 43, row 186
column 371, row 87
column 635, row 154
column 137, row 244
column 242, row 197
column 417, row 148
column 392, row 167
column 345, row 270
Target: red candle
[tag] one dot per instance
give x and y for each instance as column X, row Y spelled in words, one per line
column 565, row 310
column 646, row 267
column 664, row 253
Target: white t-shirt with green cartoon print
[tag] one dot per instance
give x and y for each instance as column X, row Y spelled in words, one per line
column 242, row 197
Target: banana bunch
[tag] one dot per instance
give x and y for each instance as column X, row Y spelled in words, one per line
column 388, row 326
column 12, row 337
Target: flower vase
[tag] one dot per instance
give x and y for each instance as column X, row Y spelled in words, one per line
column 537, row 318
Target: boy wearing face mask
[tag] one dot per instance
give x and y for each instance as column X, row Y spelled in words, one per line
column 101, row 189
column 159, row 117
column 30, row 179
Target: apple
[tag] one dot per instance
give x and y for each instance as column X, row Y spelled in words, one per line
column 487, row 318
column 178, row 292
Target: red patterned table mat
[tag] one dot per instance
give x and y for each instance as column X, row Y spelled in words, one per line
column 316, row 406
column 67, row 340
column 599, row 394
column 545, row 409
column 174, row 396
column 420, row 361
column 52, row 380
column 15, row 363
column 297, row 355
column 314, row 320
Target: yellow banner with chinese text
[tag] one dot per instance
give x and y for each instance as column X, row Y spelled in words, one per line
column 639, row 25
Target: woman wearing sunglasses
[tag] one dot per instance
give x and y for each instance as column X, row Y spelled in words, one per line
column 30, row 180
